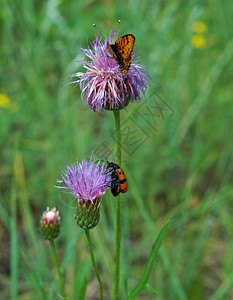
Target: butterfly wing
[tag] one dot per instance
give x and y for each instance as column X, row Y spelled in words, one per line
column 116, row 55
column 122, row 51
column 125, row 46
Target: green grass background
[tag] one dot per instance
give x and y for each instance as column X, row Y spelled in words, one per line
column 182, row 171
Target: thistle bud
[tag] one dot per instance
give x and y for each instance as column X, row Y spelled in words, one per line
column 50, row 224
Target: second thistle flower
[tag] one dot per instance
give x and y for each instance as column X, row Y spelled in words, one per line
column 87, row 182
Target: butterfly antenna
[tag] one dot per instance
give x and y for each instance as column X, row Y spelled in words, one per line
column 97, row 29
column 118, row 22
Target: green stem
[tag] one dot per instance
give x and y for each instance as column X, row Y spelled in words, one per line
column 118, row 135
column 93, row 263
column 118, row 209
column 61, row 279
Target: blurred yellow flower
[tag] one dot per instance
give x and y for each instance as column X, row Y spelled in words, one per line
column 199, row 27
column 5, row 102
column 198, row 42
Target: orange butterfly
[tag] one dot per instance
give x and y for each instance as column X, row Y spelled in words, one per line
column 122, row 50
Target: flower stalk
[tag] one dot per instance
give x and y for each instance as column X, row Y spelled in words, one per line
column 61, row 279
column 110, row 82
column 94, row 263
column 118, row 209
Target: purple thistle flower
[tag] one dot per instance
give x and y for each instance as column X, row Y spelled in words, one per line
column 86, row 180
column 103, row 86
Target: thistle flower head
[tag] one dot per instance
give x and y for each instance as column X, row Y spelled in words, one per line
column 103, row 86
column 50, row 224
column 86, row 180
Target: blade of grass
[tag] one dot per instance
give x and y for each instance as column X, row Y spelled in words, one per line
column 4, row 216
column 24, row 206
column 205, row 92
column 70, row 250
column 198, row 252
column 13, row 244
column 142, row 284
column 35, row 276
column 13, row 247
column 176, row 286
column 224, row 288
